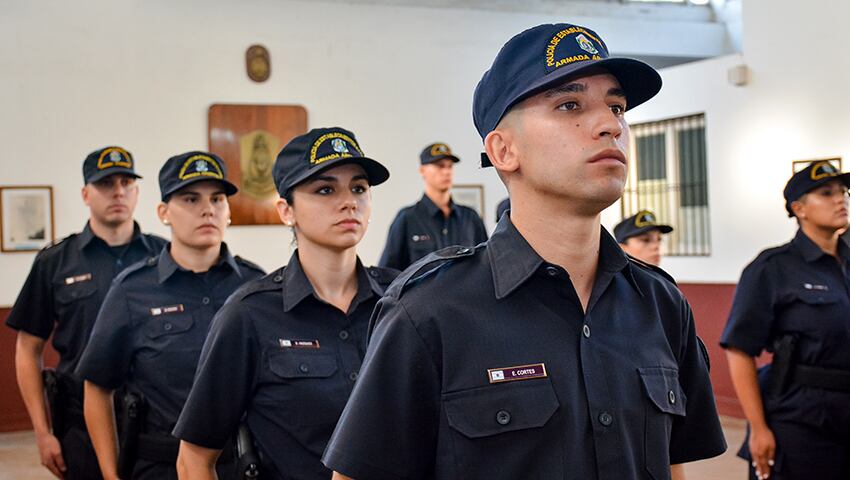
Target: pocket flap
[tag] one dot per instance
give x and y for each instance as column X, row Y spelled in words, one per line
column 501, row 408
column 663, row 389
column 71, row 293
column 169, row 325
column 817, row 297
column 303, row 364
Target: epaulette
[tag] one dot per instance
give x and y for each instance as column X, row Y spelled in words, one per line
column 382, row 277
column 771, row 252
column 652, row 268
column 141, row 264
column 269, row 282
column 428, row 266
column 56, row 243
column 248, row 263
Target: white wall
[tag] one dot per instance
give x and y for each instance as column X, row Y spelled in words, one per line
column 795, row 107
column 75, row 76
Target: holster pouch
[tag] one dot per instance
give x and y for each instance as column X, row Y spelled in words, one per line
column 248, row 463
column 132, row 419
column 782, row 367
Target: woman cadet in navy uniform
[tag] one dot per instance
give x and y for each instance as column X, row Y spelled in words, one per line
column 794, row 300
column 285, row 351
column 150, row 330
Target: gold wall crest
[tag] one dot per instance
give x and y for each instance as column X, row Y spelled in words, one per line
column 258, row 63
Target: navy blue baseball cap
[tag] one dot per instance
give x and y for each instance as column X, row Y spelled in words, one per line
column 318, row 150
column 810, row 178
column 436, row 152
column 108, row 161
column 543, row 57
column 192, row 167
column 639, row 223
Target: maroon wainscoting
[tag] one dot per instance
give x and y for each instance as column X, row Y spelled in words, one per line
column 13, row 414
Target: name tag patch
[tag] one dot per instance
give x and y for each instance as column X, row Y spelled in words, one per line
column 522, row 372
column 78, row 278
column 289, row 343
column 814, row 286
column 167, row 309
column 420, row 238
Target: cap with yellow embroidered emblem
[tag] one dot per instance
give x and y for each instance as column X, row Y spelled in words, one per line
column 108, row 161
column 191, row 167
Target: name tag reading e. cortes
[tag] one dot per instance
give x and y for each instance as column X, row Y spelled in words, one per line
column 156, row 311
column 78, row 278
column 522, row 372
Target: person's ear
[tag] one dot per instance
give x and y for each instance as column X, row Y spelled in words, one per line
column 162, row 213
column 500, row 146
column 285, row 212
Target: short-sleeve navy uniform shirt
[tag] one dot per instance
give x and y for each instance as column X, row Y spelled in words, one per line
column 797, row 289
column 422, row 228
column 152, row 326
column 285, row 360
column 483, row 364
column 67, row 285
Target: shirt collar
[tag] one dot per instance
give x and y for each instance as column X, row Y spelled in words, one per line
column 513, row 261
column 811, row 252
column 167, row 266
column 432, row 209
column 297, row 287
column 87, row 235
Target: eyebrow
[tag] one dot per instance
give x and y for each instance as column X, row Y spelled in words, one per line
column 576, row 87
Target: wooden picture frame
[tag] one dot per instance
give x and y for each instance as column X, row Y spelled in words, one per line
column 471, row 195
column 797, row 165
column 248, row 139
column 26, row 218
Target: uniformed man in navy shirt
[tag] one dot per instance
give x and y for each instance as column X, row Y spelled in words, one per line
column 544, row 353
column 435, row 221
column 62, row 295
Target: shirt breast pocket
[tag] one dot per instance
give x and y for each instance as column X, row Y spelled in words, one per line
column 72, row 298
column 665, row 402
column 305, row 387
column 170, row 350
column 496, row 430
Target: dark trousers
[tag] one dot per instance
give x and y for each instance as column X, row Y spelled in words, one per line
column 804, row 452
column 79, row 455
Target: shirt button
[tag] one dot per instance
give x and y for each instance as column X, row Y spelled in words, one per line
column 168, row 327
column 503, row 417
column 277, row 278
column 463, row 251
column 551, row 271
column 373, row 273
column 343, row 335
column 586, row 331
column 304, row 368
column 119, row 262
column 205, row 300
column 672, row 397
column 352, row 376
column 606, row 419
column 445, row 231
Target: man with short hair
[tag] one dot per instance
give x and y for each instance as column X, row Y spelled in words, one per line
column 544, row 353
column 62, row 295
column 435, row 221
column 640, row 236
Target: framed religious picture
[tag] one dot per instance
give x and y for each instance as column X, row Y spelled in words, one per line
column 248, row 138
column 26, row 218
column 797, row 165
column 471, row 196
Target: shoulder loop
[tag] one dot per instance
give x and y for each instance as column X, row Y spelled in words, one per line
column 652, row 268
column 382, row 276
column 248, row 263
column 56, row 243
column 267, row 283
column 428, row 265
column 142, row 264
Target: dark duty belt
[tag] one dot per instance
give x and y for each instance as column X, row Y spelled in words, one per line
column 820, row 377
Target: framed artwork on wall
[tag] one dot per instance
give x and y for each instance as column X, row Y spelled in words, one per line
column 26, row 218
column 471, row 196
column 248, row 139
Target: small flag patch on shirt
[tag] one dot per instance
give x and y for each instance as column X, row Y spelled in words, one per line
column 167, row 309
column 287, row 343
column 522, row 372
column 78, row 278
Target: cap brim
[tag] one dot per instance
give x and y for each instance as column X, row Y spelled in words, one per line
column 640, row 231
column 437, row 159
column 376, row 172
column 639, row 81
column 112, row 171
column 229, row 188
